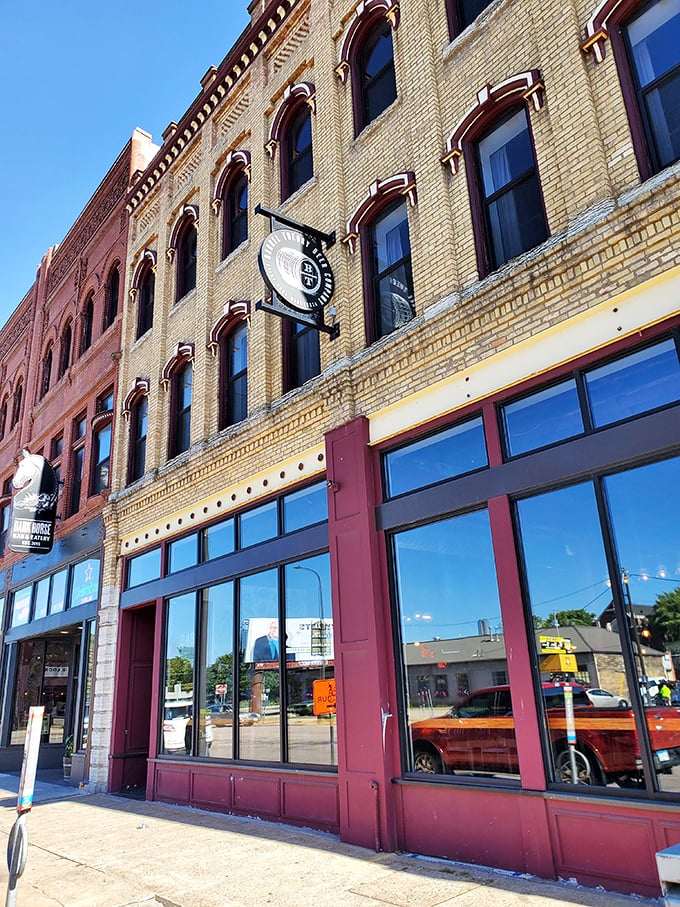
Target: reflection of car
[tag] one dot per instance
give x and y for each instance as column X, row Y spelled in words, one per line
column 176, row 718
column 479, row 736
column 601, row 699
column 221, row 714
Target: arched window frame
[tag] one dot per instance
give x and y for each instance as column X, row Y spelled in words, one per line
column 298, row 103
column 609, row 21
column 173, row 380
column 65, row 344
column 17, row 402
column 87, row 323
column 183, row 249
column 143, row 291
column 525, row 90
column 227, row 197
column 135, row 410
column 112, row 297
column 382, row 195
column 235, row 316
column 46, row 376
column 359, row 35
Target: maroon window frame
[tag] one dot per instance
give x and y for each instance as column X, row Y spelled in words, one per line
column 187, row 249
column 87, row 324
column 301, row 353
column 297, row 160
column 112, row 297
column 374, row 86
column 139, row 416
column 181, row 387
column 147, row 290
column 65, row 349
column 233, row 375
column 235, row 212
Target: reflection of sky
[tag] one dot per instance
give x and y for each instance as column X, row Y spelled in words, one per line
column 181, row 618
column 304, row 597
column 220, row 619
column 446, row 578
column 564, row 550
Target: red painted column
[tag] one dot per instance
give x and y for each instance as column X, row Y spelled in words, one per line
column 364, row 661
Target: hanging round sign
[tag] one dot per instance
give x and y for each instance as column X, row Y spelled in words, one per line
column 295, row 268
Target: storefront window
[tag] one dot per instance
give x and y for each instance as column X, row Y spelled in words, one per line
column 183, row 553
column 218, row 540
column 90, row 635
column 58, row 592
column 180, row 650
column 458, row 720
column 21, row 610
column 305, row 507
column 258, row 525
column 546, row 417
column 85, row 582
column 310, row 665
column 442, row 456
column 216, row 664
column 42, row 679
column 42, row 595
column 143, row 568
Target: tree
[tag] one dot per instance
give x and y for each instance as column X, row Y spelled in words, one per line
column 577, row 617
column 664, row 621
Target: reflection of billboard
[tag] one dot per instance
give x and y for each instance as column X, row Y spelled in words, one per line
column 307, row 640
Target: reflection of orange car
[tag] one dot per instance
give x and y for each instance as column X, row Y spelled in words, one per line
column 478, row 735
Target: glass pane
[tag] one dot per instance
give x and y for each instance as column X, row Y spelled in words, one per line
column 21, row 610
column 551, row 415
column 578, row 641
column 310, row 663
column 258, row 525
column 644, row 506
column 634, row 384
column 42, row 597
column 655, row 40
column 259, row 706
column 143, row 568
column 505, row 153
column 468, row 10
column 392, row 242
column 55, row 688
column 179, row 676
column 27, row 691
column 218, row 540
column 516, row 220
column 183, row 553
column 396, row 306
column 455, row 668
column 58, row 592
column 85, row 582
column 216, row 689
column 432, row 460
column 305, row 507
column 90, row 637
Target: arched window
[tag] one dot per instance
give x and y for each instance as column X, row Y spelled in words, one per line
column 3, row 418
column 65, row 349
column 495, row 141
column 86, row 324
column 234, row 375
column 301, row 353
column 373, row 80
column 16, row 406
column 380, row 223
column 187, row 241
column 139, row 416
column 297, row 163
column 46, row 371
column 462, row 13
column 178, row 379
column 112, row 296
column 235, row 213
column 146, row 289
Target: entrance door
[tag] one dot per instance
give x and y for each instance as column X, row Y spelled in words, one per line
column 133, row 706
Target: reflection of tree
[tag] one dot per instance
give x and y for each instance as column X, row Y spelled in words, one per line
column 664, row 621
column 179, row 670
column 576, row 617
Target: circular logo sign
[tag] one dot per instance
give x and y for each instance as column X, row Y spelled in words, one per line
column 296, row 269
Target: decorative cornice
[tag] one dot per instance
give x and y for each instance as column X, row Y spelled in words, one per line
column 399, row 184
column 148, row 260
column 140, row 388
column 366, row 8
column 184, row 352
column 187, row 213
column 236, row 160
column 293, row 94
column 597, row 27
column 527, row 86
column 230, row 72
column 234, row 311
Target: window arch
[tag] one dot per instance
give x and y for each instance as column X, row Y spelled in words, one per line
column 46, row 371
column 292, row 130
column 380, row 222
column 494, row 138
column 112, row 296
column 646, row 43
column 65, row 349
column 184, row 245
column 367, row 54
column 87, row 321
column 136, row 412
column 17, row 403
column 143, row 290
column 178, row 379
column 231, row 197
column 229, row 338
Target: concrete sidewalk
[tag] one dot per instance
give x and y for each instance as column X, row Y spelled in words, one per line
column 100, row 850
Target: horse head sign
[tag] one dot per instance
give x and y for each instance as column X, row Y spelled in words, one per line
column 34, row 506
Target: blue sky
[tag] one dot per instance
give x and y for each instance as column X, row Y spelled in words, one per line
column 76, row 78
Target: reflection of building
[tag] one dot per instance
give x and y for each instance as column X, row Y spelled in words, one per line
column 58, row 353
column 496, row 443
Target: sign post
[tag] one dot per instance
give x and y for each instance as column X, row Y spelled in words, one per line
column 17, row 844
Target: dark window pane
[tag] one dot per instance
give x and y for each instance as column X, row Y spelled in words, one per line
column 305, row 507
column 378, row 83
column 304, row 353
column 140, row 413
column 300, row 163
column 468, row 10
column 236, row 225
column 183, row 553
column 143, row 568
column 546, row 417
column 186, row 261
column 393, row 281
column 236, row 390
column 435, row 459
column 258, row 525
column 102, row 459
column 147, row 290
column 626, row 387
column 182, row 427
